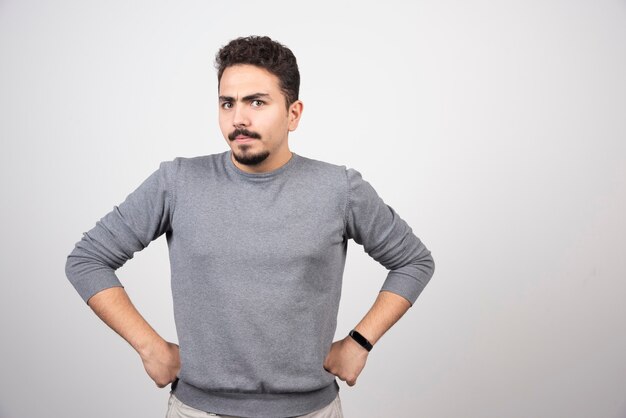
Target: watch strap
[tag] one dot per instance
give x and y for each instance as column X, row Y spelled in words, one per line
column 363, row 342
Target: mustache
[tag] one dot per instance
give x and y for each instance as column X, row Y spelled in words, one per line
column 234, row 134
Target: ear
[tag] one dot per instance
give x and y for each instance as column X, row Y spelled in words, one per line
column 295, row 112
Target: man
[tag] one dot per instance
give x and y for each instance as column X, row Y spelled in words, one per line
column 257, row 238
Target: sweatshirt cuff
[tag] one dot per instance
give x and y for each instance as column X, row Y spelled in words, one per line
column 404, row 285
column 96, row 282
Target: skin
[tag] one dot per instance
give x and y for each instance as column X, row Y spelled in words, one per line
column 250, row 98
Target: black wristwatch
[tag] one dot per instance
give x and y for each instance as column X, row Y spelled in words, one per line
column 356, row 336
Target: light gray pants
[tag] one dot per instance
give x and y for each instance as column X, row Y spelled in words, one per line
column 177, row 409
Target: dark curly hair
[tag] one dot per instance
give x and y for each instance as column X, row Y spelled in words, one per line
column 266, row 53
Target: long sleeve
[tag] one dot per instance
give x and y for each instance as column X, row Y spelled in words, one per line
column 388, row 239
column 142, row 217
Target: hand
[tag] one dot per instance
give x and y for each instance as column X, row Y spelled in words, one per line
column 346, row 359
column 162, row 363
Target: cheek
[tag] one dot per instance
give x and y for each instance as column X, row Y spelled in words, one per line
column 278, row 124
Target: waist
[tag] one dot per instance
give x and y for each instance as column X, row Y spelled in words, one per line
column 255, row 404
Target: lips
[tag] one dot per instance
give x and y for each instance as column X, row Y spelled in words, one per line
column 243, row 139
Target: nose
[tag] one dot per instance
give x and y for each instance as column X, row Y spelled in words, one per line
column 240, row 118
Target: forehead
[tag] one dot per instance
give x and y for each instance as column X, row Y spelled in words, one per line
column 244, row 79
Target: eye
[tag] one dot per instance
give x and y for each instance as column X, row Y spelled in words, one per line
column 257, row 103
column 227, row 105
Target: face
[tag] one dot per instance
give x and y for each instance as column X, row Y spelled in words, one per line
column 254, row 118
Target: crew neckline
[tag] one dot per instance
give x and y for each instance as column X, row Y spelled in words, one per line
column 259, row 176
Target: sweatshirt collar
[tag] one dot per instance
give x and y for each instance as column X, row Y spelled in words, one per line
column 259, row 176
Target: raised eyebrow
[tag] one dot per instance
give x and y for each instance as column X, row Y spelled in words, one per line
column 255, row 96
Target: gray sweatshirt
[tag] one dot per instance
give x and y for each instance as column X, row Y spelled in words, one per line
column 256, row 271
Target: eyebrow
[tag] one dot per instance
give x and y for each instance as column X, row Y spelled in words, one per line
column 247, row 98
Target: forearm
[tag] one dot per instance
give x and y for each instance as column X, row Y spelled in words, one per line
column 160, row 358
column 115, row 308
column 346, row 357
column 386, row 311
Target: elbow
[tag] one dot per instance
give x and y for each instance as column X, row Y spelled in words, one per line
column 430, row 264
column 425, row 265
column 69, row 267
column 73, row 268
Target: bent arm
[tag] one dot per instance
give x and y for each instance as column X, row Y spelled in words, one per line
column 390, row 241
column 160, row 358
column 141, row 218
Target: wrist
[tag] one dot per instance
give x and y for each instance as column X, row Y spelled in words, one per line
column 150, row 346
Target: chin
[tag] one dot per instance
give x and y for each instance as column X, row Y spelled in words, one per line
column 247, row 158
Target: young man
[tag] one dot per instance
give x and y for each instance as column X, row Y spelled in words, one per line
column 257, row 238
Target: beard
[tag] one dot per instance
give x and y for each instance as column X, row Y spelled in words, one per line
column 243, row 156
column 248, row 158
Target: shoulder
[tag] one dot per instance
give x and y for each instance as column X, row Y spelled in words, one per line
column 336, row 174
column 197, row 166
column 322, row 169
column 200, row 160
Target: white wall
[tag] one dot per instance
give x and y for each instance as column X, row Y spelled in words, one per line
column 496, row 129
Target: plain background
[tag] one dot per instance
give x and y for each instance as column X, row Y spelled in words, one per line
column 495, row 128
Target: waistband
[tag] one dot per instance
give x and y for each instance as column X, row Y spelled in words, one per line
column 257, row 405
